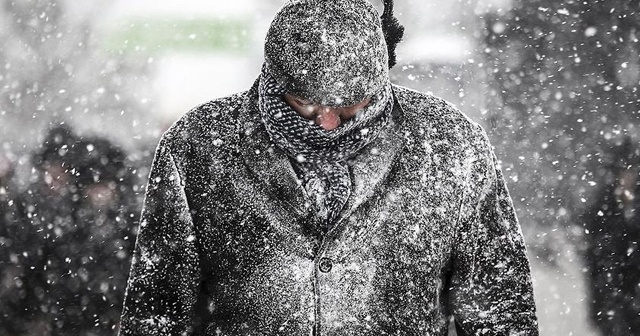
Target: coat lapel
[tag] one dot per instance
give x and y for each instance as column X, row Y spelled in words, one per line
column 272, row 168
column 371, row 166
column 269, row 165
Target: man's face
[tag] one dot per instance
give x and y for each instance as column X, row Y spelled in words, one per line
column 327, row 117
column 101, row 195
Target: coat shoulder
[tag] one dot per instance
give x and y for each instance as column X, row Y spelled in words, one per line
column 209, row 124
column 437, row 120
column 426, row 109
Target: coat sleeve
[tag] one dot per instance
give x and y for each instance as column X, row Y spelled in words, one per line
column 165, row 273
column 491, row 291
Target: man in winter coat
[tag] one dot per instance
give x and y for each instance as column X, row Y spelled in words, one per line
column 327, row 201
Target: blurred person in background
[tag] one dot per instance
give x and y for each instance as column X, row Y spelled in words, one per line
column 88, row 262
column 89, row 266
column 45, row 205
column 104, row 241
column 327, row 201
column 613, row 238
column 77, row 233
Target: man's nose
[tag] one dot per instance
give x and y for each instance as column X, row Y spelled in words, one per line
column 328, row 118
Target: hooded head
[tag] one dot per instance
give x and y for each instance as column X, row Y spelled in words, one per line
column 100, row 161
column 57, row 144
column 332, row 52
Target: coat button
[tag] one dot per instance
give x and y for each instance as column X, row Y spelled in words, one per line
column 325, row 265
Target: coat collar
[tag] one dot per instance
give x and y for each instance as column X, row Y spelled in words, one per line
column 272, row 167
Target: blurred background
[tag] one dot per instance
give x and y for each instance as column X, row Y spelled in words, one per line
column 88, row 87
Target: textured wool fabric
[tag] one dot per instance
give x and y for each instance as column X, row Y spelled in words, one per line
column 317, row 154
column 330, row 51
column 429, row 232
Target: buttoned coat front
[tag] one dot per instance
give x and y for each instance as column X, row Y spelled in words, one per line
column 228, row 244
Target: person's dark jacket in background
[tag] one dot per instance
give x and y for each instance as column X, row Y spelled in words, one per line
column 66, row 250
column 612, row 252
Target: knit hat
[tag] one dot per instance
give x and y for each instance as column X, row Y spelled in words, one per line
column 58, row 142
column 332, row 52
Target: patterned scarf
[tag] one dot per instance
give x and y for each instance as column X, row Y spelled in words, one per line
column 319, row 156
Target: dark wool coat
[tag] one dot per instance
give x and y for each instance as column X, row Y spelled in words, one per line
column 613, row 262
column 228, row 244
